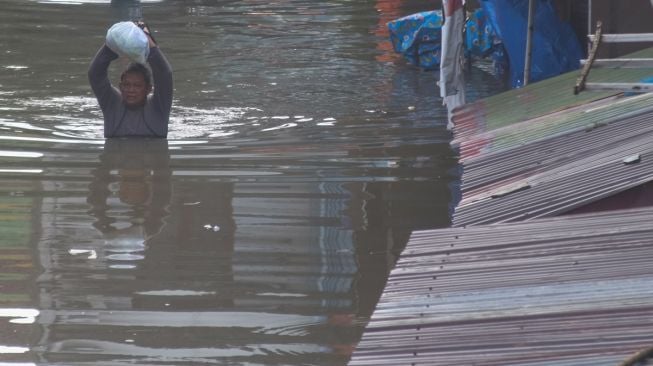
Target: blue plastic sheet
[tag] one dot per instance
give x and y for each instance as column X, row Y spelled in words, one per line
column 481, row 41
column 480, row 38
column 418, row 38
column 496, row 30
column 555, row 47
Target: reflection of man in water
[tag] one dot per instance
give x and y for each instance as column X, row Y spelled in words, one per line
column 130, row 110
column 142, row 183
column 159, row 234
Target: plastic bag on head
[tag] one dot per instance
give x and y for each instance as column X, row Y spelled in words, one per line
column 127, row 39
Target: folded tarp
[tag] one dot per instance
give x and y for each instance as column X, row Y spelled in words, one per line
column 418, row 38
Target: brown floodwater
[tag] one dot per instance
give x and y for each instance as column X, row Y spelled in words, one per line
column 302, row 153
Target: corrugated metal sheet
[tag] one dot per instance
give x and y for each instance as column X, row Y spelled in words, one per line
column 576, row 290
column 527, row 159
column 539, row 99
column 557, row 175
column 579, row 118
column 556, row 161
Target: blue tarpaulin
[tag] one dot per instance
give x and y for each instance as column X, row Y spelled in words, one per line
column 418, row 38
column 498, row 30
column 555, row 50
column 481, row 41
column 480, row 38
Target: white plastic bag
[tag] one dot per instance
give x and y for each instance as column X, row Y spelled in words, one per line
column 127, row 39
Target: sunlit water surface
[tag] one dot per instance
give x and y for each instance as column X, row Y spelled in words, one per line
column 302, row 153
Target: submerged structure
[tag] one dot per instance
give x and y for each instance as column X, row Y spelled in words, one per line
column 546, row 260
column 554, row 291
column 543, row 151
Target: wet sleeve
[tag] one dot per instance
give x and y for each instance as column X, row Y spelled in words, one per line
column 162, row 74
column 98, row 77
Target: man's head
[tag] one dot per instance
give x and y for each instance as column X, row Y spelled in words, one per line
column 135, row 85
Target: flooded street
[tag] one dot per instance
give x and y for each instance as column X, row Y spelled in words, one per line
column 301, row 154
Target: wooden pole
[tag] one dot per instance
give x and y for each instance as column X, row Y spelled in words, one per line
column 529, row 41
column 580, row 82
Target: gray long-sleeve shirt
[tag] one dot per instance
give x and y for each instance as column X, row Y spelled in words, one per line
column 151, row 119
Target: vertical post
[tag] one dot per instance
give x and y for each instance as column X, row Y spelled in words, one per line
column 529, row 41
column 589, row 24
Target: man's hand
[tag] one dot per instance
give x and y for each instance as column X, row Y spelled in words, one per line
column 147, row 32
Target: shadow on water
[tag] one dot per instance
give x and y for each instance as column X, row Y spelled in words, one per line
column 302, row 154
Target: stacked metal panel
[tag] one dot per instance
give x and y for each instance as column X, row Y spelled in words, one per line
column 556, row 175
column 541, row 150
column 575, row 290
column 540, row 99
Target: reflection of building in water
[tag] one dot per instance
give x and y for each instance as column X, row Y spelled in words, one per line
column 17, row 293
column 387, row 10
column 163, row 249
column 194, row 251
column 15, row 237
column 291, row 240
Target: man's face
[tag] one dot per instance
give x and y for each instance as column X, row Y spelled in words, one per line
column 134, row 89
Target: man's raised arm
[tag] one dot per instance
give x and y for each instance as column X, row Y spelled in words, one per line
column 161, row 73
column 98, row 77
column 163, row 85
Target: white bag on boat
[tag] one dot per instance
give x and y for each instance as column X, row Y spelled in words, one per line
column 127, row 39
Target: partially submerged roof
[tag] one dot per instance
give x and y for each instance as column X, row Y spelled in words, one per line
column 539, row 99
column 541, row 150
column 576, row 290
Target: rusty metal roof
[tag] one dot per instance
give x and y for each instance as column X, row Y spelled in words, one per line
column 574, row 290
column 539, row 99
column 551, row 155
column 557, row 175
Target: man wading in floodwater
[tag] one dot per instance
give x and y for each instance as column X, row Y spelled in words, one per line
column 130, row 110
